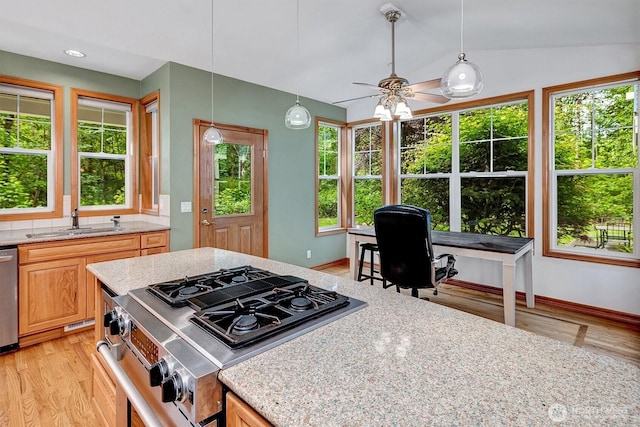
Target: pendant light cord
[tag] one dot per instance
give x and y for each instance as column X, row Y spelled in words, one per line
column 212, row 62
column 461, row 25
column 297, row 51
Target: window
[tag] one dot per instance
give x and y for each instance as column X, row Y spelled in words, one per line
column 330, row 210
column 368, row 147
column 104, row 153
column 150, row 154
column 591, row 170
column 30, row 149
column 470, row 167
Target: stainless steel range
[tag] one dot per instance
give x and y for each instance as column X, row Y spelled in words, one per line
column 184, row 331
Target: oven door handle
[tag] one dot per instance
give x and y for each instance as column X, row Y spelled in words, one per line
column 136, row 399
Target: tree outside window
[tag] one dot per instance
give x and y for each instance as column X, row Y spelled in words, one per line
column 30, row 154
column 367, row 172
column 328, row 164
column 593, row 168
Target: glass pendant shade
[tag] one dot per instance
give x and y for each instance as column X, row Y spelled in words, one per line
column 403, row 110
column 462, row 79
column 213, row 136
column 297, row 117
column 386, row 116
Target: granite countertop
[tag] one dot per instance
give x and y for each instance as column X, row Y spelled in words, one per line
column 401, row 361
column 19, row 236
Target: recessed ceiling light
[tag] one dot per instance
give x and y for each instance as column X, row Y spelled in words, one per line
column 75, row 53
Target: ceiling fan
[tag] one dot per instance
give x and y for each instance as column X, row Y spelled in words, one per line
column 395, row 90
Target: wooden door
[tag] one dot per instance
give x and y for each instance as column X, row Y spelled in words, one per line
column 231, row 184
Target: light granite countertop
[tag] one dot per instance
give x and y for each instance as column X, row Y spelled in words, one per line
column 19, row 236
column 404, row 362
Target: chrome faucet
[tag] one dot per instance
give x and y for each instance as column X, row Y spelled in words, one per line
column 74, row 219
column 116, row 221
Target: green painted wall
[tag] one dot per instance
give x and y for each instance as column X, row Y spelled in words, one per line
column 291, row 180
column 29, row 68
column 185, row 94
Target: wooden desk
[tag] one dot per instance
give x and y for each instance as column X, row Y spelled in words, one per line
column 507, row 250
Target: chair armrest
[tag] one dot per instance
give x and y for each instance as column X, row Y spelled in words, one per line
column 449, row 271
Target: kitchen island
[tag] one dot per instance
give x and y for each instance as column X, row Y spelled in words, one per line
column 401, row 361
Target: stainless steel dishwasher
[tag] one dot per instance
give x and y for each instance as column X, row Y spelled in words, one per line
column 8, row 299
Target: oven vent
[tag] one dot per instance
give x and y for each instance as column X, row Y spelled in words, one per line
column 79, row 325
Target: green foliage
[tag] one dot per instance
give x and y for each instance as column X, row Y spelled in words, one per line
column 233, row 179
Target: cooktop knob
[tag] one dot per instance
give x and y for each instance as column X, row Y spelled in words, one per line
column 108, row 318
column 158, row 372
column 172, row 389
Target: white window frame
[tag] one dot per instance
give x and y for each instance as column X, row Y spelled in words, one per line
column 455, row 176
column 551, row 248
column 369, row 176
column 127, row 157
column 338, row 178
column 50, row 154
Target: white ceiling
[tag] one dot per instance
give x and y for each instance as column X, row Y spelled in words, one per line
column 341, row 41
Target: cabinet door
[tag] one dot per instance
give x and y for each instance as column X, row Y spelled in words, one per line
column 52, row 294
column 239, row 414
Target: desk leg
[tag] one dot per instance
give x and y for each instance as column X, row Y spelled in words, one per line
column 528, row 279
column 354, row 246
column 509, row 293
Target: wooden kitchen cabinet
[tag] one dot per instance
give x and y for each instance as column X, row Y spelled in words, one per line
column 56, row 290
column 52, row 294
column 239, row 414
column 154, row 243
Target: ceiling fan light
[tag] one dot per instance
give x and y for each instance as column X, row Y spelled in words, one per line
column 379, row 111
column 386, row 117
column 213, row 136
column 297, row 117
column 463, row 79
column 402, row 109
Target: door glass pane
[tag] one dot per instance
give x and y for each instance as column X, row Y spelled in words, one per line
column 232, row 179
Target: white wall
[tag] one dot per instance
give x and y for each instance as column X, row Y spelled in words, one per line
column 509, row 71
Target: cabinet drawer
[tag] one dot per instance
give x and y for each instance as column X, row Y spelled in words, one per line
column 103, row 393
column 153, row 240
column 36, row 252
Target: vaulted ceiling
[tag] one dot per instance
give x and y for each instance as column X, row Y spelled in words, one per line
column 341, row 41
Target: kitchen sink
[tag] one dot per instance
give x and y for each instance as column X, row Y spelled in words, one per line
column 72, row 232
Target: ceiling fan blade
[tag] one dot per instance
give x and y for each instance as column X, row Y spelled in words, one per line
column 438, row 99
column 354, row 99
column 429, row 84
column 367, row 84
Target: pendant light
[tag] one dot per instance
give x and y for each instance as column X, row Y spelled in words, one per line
column 463, row 79
column 212, row 136
column 297, row 117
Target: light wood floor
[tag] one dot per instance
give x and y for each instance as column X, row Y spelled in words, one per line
column 49, row 384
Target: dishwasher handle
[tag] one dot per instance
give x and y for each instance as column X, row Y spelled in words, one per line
column 6, row 258
column 136, row 399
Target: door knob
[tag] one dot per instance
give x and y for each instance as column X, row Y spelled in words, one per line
column 205, row 222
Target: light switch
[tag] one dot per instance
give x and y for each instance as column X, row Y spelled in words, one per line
column 185, row 207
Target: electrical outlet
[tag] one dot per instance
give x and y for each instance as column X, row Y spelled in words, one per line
column 309, row 254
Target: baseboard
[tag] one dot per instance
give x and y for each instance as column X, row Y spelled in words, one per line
column 337, row 263
column 603, row 313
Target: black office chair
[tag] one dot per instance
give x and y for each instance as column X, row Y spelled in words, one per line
column 403, row 234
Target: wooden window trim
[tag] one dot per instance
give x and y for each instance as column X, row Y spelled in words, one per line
column 527, row 96
column 75, row 198
column 58, row 149
column 342, row 180
column 146, row 149
column 547, row 250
